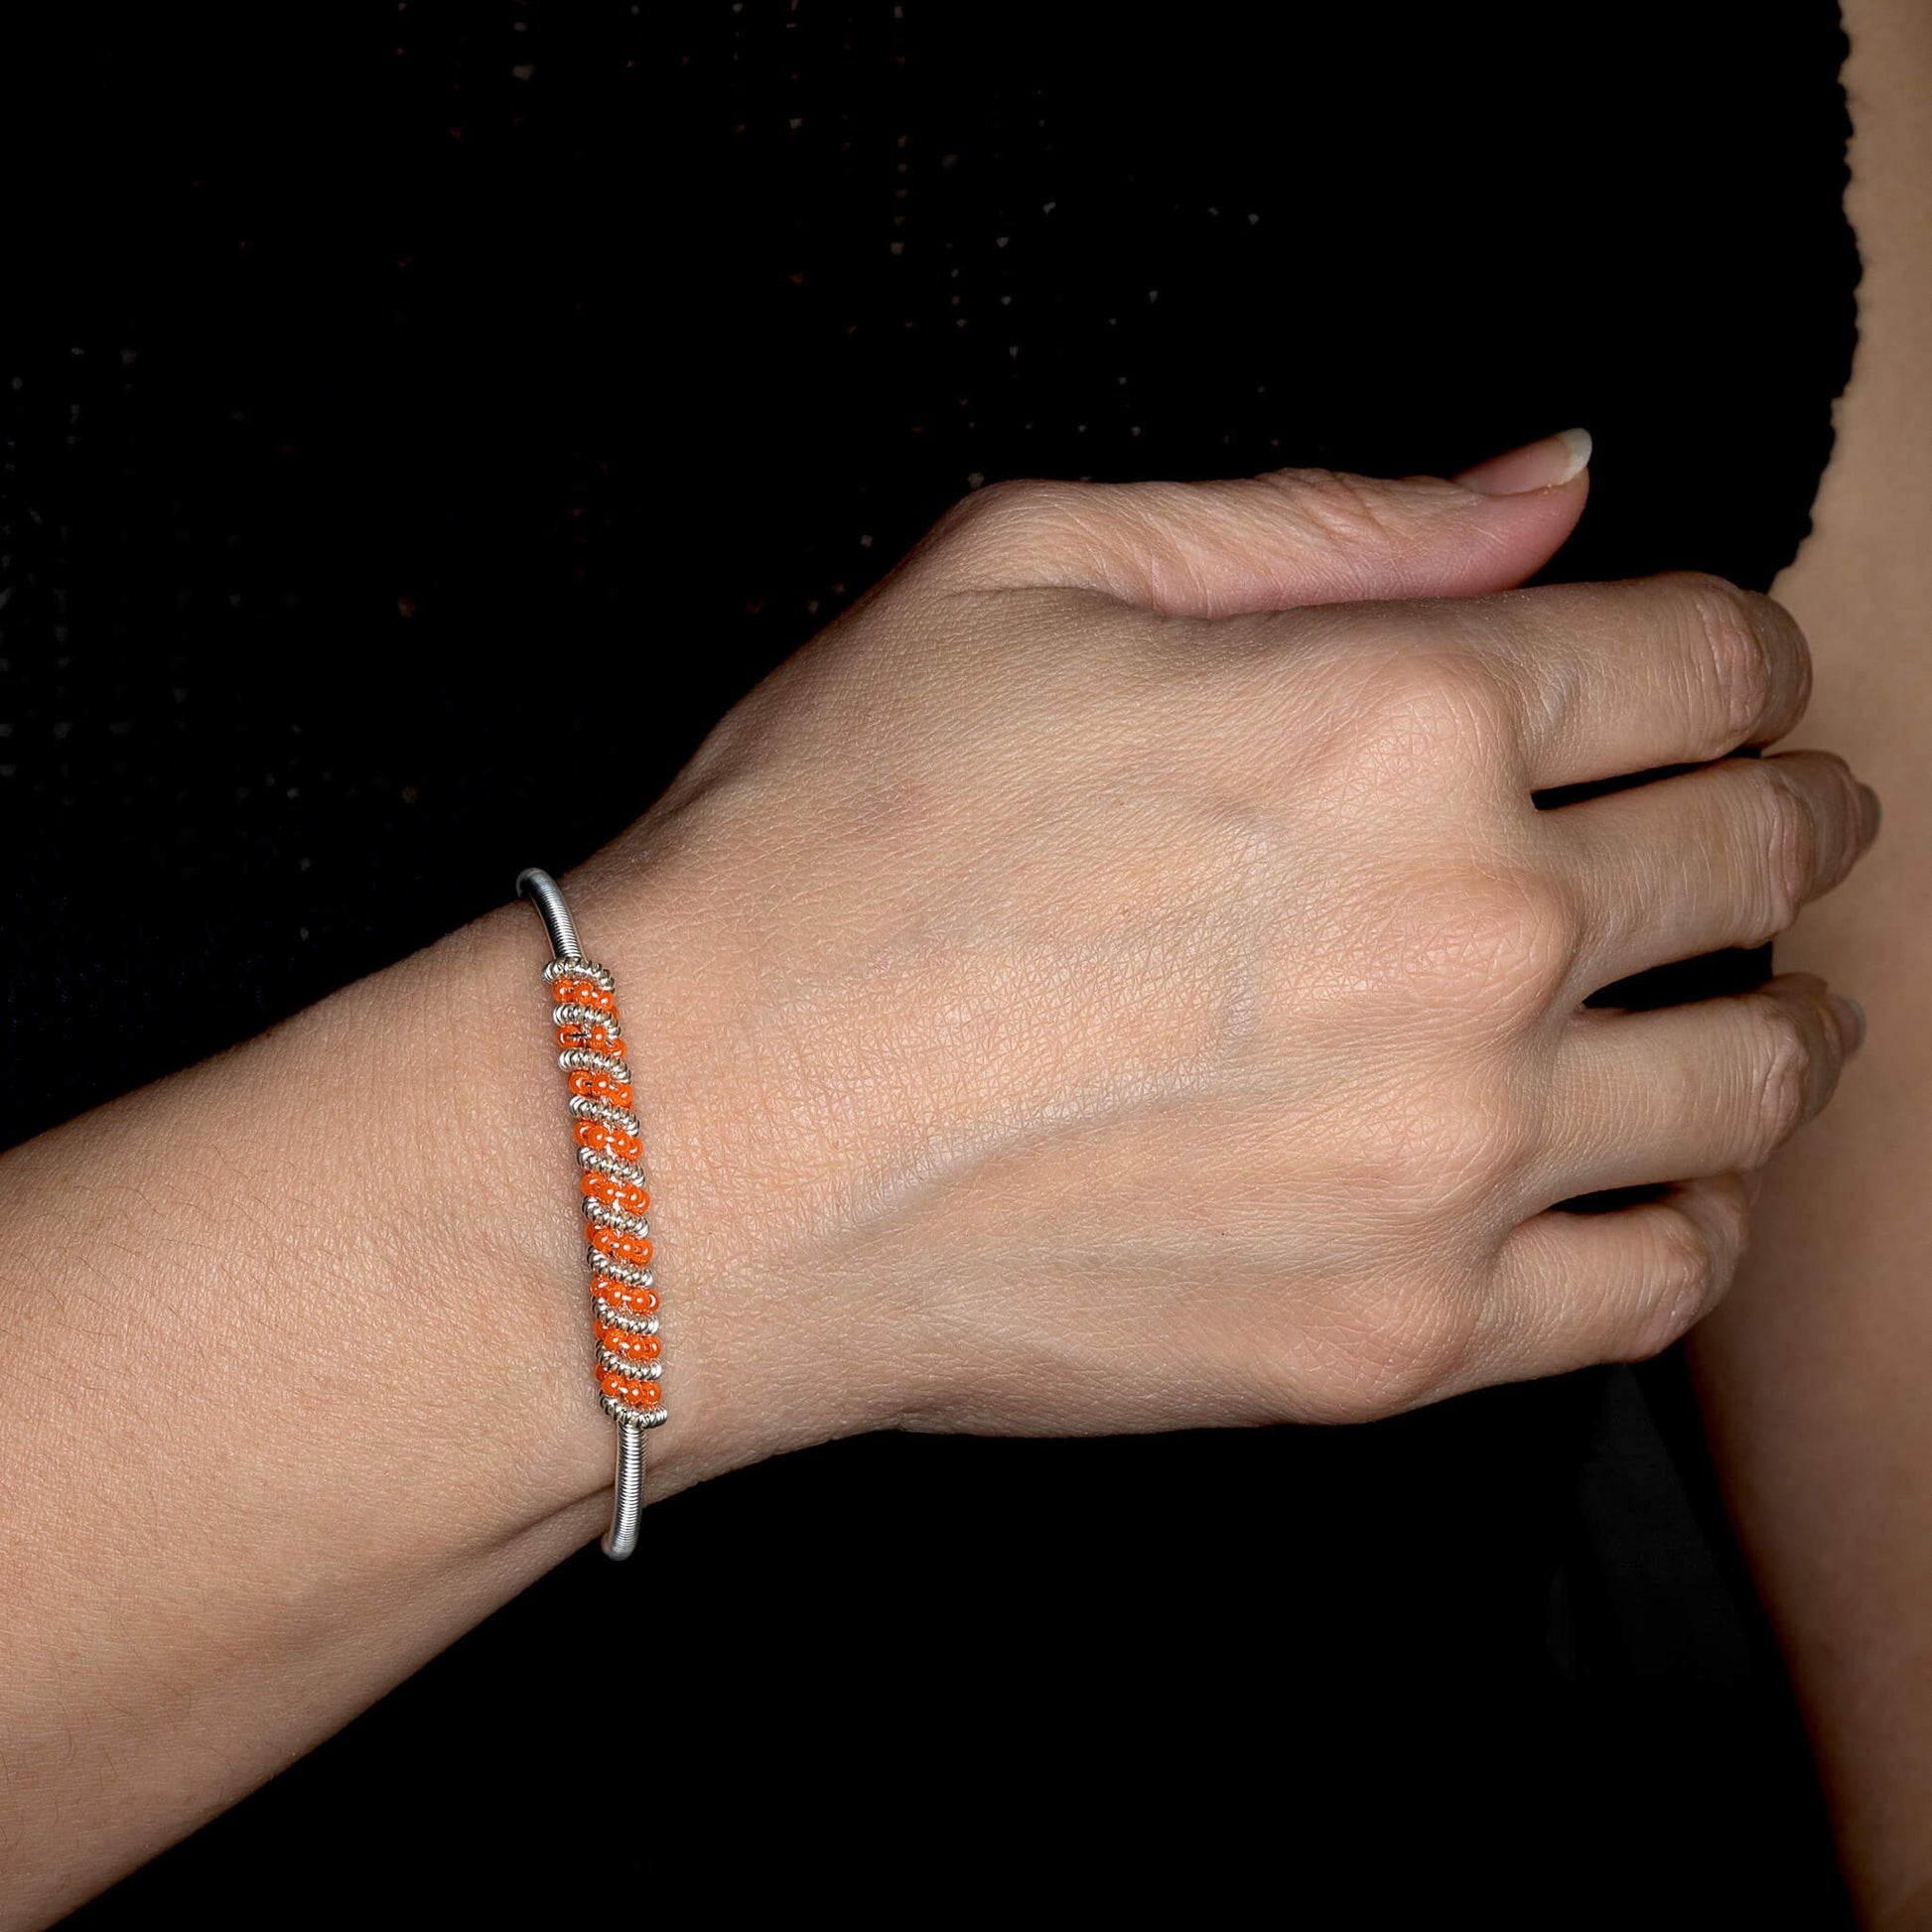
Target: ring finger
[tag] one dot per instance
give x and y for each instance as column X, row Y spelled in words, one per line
column 1711, row 1087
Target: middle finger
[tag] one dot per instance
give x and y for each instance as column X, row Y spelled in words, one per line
column 1724, row 856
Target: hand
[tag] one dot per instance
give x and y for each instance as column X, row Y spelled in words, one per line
column 1105, row 982
column 1095, row 997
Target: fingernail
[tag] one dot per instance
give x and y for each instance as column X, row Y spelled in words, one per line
column 1874, row 815
column 1556, row 460
column 1851, row 1021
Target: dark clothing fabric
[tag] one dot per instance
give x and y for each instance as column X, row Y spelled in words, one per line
column 383, row 390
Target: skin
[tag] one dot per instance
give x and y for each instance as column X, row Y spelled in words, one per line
column 1813, row 1376
column 1138, row 894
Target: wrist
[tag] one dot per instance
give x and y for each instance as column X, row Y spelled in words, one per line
column 747, row 1307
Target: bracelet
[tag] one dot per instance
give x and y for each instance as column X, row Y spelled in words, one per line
column 610, row 1147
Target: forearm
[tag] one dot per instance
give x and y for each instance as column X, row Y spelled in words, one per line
column 297, row 1390
column 1814, row 1372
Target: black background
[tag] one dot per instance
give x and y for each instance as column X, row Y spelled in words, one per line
column 383, row 384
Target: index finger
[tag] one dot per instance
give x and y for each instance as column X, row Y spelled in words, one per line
column 1624, row 677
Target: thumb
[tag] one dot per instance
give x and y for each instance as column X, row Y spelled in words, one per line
column 1273, row 542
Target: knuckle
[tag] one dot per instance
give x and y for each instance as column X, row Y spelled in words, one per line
column 960, row 521
column 1724, row 631
column 1004, row 526
column 1430, row 714
column 1399, row 1347
column 1780, row 1079
column 1337, row 513
column 1731, row 1206
column 1546, row 921
column 1785, row 833
column 1006, row 498
column 1683, row 1277
column 1493, row 1139
column 1502, row 944
column 1446, row 1157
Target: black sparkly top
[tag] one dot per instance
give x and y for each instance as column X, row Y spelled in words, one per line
column 365, row 367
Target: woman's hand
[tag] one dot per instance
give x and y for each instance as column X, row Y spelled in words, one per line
column 1090, row 997
column 1114, row 978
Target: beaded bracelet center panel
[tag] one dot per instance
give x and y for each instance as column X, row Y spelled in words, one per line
column 610, row 1150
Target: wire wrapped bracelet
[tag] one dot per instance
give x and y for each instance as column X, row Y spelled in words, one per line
column 609, row 1152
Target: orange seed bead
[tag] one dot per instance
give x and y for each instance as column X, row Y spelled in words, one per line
column 623, row 1296
column 624, row 1343
column 613, row 1193
column 627, row 1388
column 633, row 1248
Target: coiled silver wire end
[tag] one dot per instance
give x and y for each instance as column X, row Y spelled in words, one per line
column 627, row 1502
column 559, row 927
column 628, row 1494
